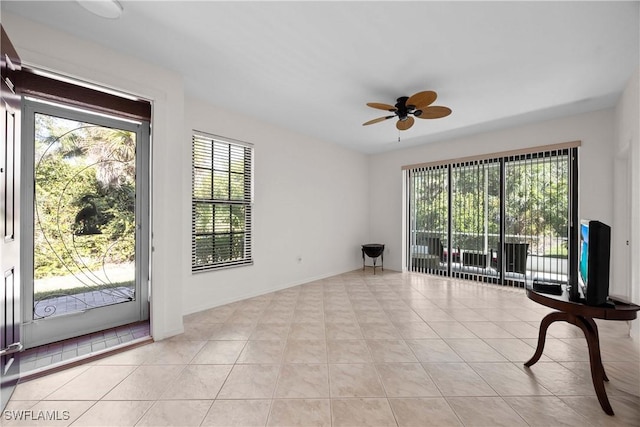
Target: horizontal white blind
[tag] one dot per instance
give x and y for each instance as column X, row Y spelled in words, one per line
column 222, row 181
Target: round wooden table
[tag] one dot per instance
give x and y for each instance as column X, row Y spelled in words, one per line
column 582, row 316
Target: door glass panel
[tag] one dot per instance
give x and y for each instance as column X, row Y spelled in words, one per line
column 429, row 218
column 84, row 216
column 537, row 217
column 475, row 217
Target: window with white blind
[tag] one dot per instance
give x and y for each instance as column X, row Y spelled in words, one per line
column 222, row 197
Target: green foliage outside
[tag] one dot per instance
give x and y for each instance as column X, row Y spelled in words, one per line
column 85, row 198
column 536, row 203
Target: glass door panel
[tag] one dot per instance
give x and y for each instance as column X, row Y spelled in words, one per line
column 537, row 217
column 88, row 204
column 475, row 217
column 84, row 228
column 428, row 218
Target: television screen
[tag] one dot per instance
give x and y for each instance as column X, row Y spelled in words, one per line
column 583, row 265
column 593, row 265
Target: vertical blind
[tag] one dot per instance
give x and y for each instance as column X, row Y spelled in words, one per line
column 429, row 219
column 222, row 197
column 503, row 219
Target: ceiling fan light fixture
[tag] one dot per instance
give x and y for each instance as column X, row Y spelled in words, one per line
column 417, row 113
column 110, row 9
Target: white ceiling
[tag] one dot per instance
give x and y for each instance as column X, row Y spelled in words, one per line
column 312, row 66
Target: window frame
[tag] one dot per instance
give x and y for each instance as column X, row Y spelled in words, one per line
column 223, row 243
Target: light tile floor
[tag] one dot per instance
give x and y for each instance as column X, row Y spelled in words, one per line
column 394, row 349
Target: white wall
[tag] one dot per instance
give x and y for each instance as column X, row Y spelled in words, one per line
column 311, row 197
column 627, row 194
column 311, row 201
column 595, row 130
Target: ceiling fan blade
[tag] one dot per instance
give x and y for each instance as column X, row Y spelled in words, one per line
column 381, row 106
column 405, row 124
column 421, row 99
column 434, row 112
column 379, row 119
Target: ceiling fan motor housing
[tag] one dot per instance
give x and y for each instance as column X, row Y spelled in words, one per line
column 402, row 110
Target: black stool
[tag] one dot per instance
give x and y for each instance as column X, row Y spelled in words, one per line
column 373, row 250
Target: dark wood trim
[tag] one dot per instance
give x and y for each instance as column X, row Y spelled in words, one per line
column 621, row 311
column 11, row 65
column 79, row 96
column 9, row 50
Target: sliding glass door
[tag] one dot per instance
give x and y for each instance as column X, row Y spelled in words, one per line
column 502, row 219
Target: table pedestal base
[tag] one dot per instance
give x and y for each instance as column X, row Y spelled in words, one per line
column 588, row 326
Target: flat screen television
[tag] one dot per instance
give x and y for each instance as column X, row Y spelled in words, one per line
column 594, row 262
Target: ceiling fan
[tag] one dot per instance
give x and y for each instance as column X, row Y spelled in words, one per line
column 416, row 105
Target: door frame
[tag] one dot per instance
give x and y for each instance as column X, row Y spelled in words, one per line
column 10, row 320
column 41, row 331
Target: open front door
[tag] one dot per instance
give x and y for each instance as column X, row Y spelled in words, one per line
column 85, row 176
column 10, row 344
